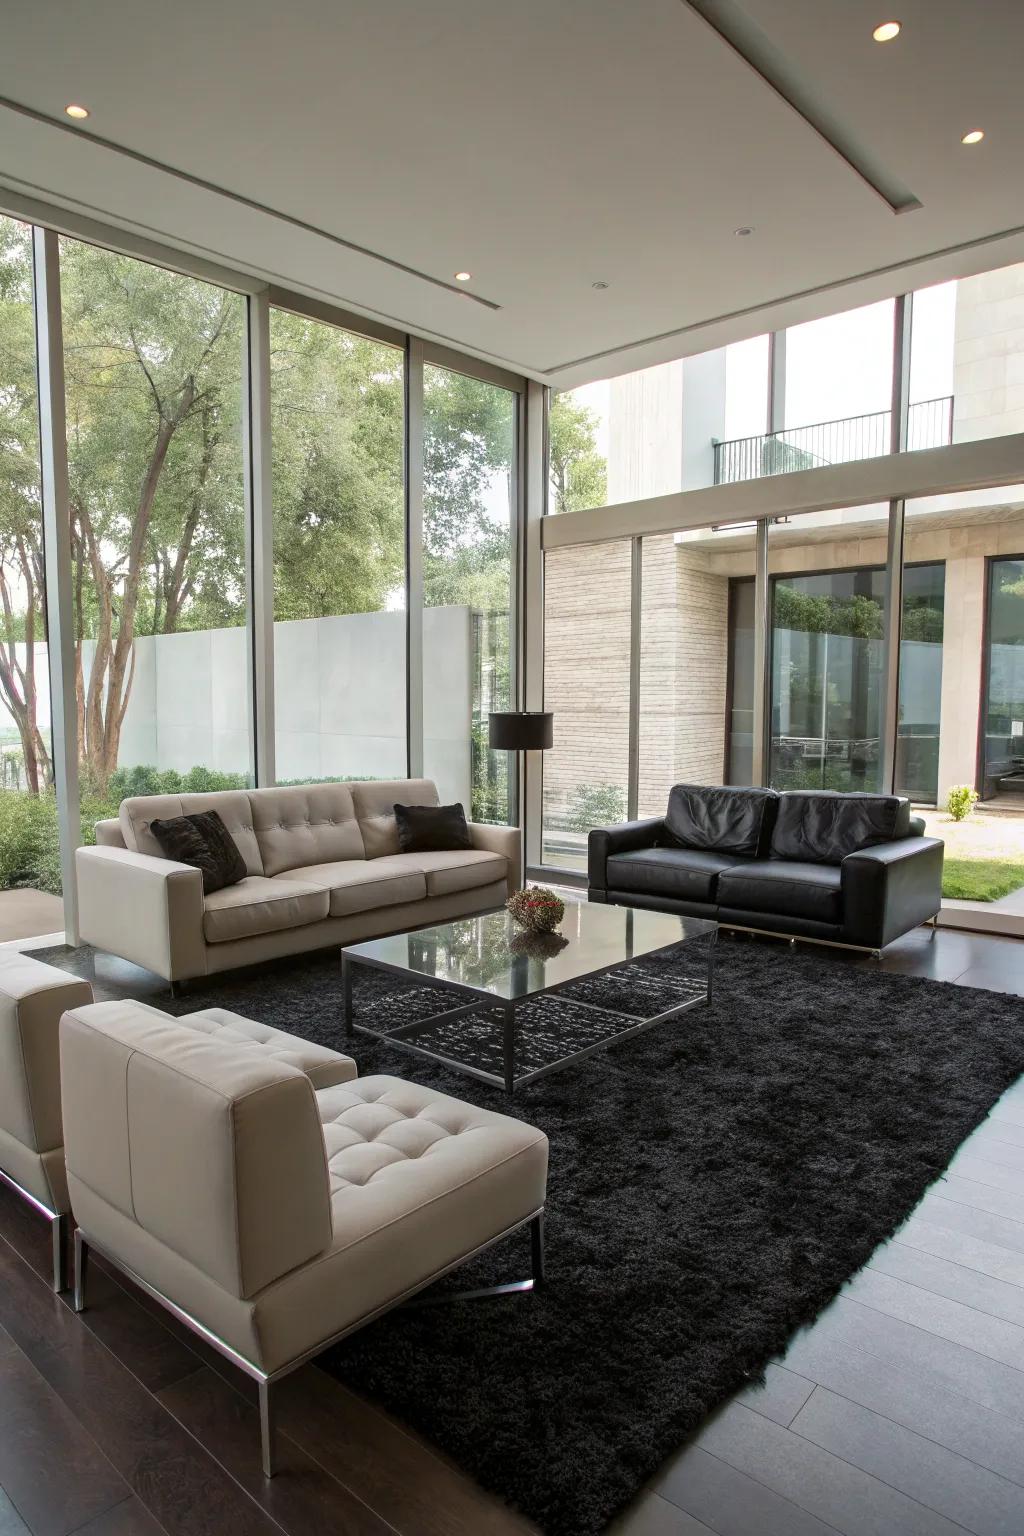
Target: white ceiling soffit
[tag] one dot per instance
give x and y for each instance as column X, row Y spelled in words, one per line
column 363, row 153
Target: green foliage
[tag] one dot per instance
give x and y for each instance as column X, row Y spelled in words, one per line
column 980, row 879
column 595, row 805
column 579, row 473
column 810, row 613
column 961, row 801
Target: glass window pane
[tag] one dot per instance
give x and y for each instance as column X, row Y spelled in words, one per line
column 838, row 390
column 657, row 431
column 153, row 365
column 828, row 595
column 696, row 662
column 337, row 421
column 469, row 494
column 967, row 357
column 29, row 847
column 586, row 686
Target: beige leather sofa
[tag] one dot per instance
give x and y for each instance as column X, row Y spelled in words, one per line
column 323, row 865
column 32, row 998
column 271, row 1217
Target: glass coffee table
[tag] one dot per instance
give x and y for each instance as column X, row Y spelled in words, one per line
column 536, row 1001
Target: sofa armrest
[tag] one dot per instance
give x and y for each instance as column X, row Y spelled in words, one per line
column 109, row 834
column 142, row 908
column 504, row 840
column 624, row 838
column 890, row 889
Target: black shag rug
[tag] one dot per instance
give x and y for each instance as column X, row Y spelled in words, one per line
column 713, row 1183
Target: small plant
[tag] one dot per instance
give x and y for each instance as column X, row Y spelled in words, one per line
column 536, row 908
column 961, row 801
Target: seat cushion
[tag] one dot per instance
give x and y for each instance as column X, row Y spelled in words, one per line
column 324, row 1068
column 361, row 885
column 684, row 874
column 721, row 819
column 789, row 888
column 257, row 905
column 455, row 869
column 821, row 826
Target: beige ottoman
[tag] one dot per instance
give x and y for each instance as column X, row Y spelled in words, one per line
column 32, row 998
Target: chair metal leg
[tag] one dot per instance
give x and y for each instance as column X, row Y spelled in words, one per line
column 537, row 1250
column 60, row 1232
column 81, row 1269
column 268, row 1431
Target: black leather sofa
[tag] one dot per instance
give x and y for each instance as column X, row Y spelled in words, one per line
column 844, row 868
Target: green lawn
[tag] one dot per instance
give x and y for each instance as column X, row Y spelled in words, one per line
column 981, row 879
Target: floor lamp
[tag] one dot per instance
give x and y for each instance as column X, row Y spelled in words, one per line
column 521, row 731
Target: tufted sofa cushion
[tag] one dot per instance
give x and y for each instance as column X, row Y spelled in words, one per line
column 305, row 824
column 375, row 809
column 232, row 805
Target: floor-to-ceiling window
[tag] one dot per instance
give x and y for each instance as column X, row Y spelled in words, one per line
column 587, row 619
column 469, row 502
column 337, row 419
column 29, row 852
column 154, row 371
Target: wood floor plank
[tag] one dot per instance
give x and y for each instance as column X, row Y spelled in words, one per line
column 843, row 1496
column 781, row 1397
column 986, row 1141
column 962, row 1370
column 11, row 1523
column 131, row 1518
column 136, row 1336
column 996, row 1298
column 653, row 1516
column 982, row 1197
column 913, row 1397
column 409, row 1485
column 986, row 1335
column 171, row 1473
column 51, row 1469
column 990, row 1226
column 733, row 1503
column 1006, row 1122
column 958, row 1247
column 991, row 978
column 304, row 1497
column 980, row 1169
column 972, row 1496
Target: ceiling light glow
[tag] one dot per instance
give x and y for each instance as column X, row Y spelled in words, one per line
column 886, row 31
column 463, row 277
column 75, row 111
column 974, row 137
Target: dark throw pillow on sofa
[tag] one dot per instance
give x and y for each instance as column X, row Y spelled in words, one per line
column 203, row 841
column 432, row 828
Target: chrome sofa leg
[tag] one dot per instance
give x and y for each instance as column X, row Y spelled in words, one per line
column 60, row 1233
column 537, row 1250
column 268, row 1431
column 81, row 1269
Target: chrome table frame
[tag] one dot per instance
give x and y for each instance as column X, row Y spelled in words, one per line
column 486, row 1002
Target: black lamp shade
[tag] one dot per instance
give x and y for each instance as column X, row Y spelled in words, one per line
column 521, row 731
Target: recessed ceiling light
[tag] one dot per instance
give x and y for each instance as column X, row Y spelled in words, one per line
column 75, row 111
column 974, row 137
column 463, row 277
column 744, row 229
column 599, row 285
column 886, row 31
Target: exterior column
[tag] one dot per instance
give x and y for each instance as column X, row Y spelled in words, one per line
column 962, row 655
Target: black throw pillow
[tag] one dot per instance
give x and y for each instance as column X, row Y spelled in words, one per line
column 203, row 841
column 431, row 828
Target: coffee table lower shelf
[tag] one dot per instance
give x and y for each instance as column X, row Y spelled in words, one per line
column 499, row 1036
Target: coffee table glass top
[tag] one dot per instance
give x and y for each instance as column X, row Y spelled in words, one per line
column 492, row 955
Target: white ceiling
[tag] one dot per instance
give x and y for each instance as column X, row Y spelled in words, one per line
column 544, row 145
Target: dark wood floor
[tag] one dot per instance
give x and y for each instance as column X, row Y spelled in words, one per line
column 899, row 1413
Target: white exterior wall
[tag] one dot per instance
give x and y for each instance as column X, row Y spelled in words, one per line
column 988, row 355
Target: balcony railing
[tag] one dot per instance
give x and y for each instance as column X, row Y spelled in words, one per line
column 930, row 425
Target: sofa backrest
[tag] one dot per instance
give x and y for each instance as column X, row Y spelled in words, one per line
column 305, row 824
column 822, row 826
column 212, row 1149
column 721, row 819
column 291, row 826
column 232, row 805
column 375, row 808
column 32, row 998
